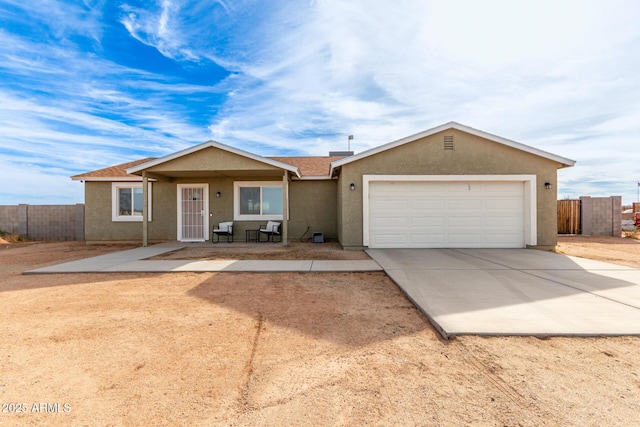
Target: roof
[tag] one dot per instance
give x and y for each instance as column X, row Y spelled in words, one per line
column 453, row 125
column 214, row 144
column 304, row 167
column 313, row 166
column 117, row 172
column 309, row 167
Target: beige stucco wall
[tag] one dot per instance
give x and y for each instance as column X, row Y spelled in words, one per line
column 472, row 156
column 313, row 205
column 212, row 159
column 98, row 215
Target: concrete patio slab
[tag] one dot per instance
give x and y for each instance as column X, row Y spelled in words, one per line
column 134, row 261
column 345, row 266
column 516, row 292
column 105, row 262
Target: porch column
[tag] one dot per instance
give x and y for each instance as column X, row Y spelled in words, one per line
column 285, row 208
column 145, row 209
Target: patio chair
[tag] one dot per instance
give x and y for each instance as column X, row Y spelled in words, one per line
column 224, row 229
column 272, row 230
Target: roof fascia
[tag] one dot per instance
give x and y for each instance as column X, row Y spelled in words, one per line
column 139, row 168
column 108, row 179
column 315, row 177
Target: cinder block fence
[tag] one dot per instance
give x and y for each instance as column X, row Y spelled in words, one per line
column 44, row 222
column 601, row 216
column 591, row 216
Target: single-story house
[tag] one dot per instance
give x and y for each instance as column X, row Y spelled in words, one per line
column 451, row 186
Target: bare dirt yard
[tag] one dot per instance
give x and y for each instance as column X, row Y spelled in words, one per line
column 617, row 250
column 270, row 251
column 187, row 349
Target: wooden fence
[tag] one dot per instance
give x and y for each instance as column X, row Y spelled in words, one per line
column 569, row 217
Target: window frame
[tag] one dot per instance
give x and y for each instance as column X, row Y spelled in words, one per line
column 115, row 201
column 237, row 185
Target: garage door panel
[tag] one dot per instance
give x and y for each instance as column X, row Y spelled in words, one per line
column 465, row 222
column 390, row 203
column 501, row 203
column 510, row 221
column 396, row 226
column 449, row 214
column 426, row 204
column 422, row 223
column 419, row 240
column 458, row 238
column 466, row 204
column 391, row 240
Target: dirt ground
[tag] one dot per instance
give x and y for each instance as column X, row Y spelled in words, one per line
column 624, row 251
column 270, row 251
column 188, row 349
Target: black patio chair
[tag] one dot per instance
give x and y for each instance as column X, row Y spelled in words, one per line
column 271, row 230
column 224, row 229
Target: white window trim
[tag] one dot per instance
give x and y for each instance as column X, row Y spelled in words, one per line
column 115, row 217
column 530, row 197
column 236, row 200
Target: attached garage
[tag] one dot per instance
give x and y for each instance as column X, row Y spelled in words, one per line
column 449, row 211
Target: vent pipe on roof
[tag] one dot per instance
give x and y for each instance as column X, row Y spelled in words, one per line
column 344, row 153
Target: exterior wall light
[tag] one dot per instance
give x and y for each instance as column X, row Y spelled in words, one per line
column 352, row 186
column 548, row 185
column 218, row 194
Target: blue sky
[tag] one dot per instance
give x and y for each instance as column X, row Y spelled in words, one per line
column 88, row 84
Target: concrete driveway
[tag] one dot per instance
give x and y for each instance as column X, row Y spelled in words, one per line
column 516, row 291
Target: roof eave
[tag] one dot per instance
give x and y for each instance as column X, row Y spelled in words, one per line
column 106, row 178
column 315, row 177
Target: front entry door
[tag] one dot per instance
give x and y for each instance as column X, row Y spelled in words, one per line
column 193, row 212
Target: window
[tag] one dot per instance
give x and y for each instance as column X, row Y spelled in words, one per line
column 126, row 201
column 258, row 200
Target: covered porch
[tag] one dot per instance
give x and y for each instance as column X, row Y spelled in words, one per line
column 186, row 194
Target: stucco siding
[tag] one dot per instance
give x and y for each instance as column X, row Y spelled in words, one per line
column 472, row 155
column 98, row 225
column 164, row 223
column 212, row 159
column 313, row 204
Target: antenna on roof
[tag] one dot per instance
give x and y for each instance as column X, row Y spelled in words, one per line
column 349, row 138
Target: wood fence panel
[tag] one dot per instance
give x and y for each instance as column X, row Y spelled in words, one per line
column 569, row 217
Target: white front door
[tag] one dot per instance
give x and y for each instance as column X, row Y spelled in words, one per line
column 193, row 212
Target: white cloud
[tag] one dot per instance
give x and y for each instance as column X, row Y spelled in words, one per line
column 560, row 76
column 553, row 75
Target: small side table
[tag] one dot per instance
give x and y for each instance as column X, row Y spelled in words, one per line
column 251, row 235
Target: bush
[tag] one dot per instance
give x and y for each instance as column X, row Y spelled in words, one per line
column 632, row 234
column 11, row 237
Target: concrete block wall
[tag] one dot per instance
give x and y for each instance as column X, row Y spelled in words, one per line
column 601, row 216
column 9, row 219
column 44, row 222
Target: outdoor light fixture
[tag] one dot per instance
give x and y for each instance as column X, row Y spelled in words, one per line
column 218, row 194
column 352, row 186
column 548, row 185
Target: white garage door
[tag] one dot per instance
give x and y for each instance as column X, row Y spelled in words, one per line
column 474, row 214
